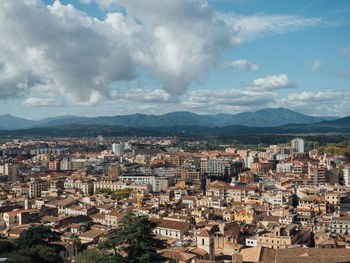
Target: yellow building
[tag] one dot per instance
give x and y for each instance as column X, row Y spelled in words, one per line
column 254, row 199
column 244, row 216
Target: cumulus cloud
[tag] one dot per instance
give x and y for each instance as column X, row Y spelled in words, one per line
column 318, row 103
column 59, row 49
column 231, row 97
column 143, row 96
column 40, row 102
column 242, row 65
column 271, row 82
column 202, row 101
column 316, row 65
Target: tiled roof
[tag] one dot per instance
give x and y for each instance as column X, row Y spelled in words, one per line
column 172, row 224
column 11, row 213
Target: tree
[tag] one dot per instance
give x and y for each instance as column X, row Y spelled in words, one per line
column 6, row 246
column 75, row 242
column 34, row 245
column 134, row 242
column 37, row 235
column 119, row 194
column 41, row 254
column 89, row 256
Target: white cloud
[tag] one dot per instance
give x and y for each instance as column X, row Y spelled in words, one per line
column 142, row 96
column 229, row 97
column 346, row 51
column 200, row 101
column 271, row 82
column 242, row 65
column 331, row 102
column 252, row 27
column 86, row 2
column 40, row 102
column 59, row 49
column 205, row 101
column 316, row 65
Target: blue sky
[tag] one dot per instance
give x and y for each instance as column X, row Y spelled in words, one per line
column 110, row 57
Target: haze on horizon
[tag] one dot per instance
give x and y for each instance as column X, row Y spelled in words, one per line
column 111, row 57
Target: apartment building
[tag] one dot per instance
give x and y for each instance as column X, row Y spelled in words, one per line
column 284, row 237
column 87, row 186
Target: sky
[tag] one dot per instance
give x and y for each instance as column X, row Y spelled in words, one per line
column 112, row 57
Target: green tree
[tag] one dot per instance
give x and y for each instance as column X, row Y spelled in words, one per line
column 6, row 246
column 122, row 193
column 41, row 254
column 75, row 241
column 34, row 245
column 89, row 256
column 134, row 242
column 37, row 235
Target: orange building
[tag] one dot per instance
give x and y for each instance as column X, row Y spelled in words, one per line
column 114, row 171
column 261, row 167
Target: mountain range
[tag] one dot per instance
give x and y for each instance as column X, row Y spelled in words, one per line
column 92, row 130
column 272, row 117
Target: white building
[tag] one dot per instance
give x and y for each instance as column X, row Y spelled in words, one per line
column 346, row 175
column 251, row 241
column 284, row 167
column 158, row 183
column 298, row 145
column 118, row 148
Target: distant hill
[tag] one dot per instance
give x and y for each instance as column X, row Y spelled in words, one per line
column 271, row 117
column 88, row 130
column 262, row 118
column 9, row 122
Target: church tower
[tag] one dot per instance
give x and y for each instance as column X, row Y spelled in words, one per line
column 205, row 241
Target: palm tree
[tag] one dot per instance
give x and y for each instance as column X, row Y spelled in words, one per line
column 75, row 241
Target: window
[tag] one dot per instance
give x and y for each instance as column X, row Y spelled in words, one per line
column 202, row 241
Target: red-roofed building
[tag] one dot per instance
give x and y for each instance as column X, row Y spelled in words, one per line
column 171, row 228
column 20, row 217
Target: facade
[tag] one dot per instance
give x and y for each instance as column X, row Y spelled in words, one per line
column 117, row 149
column 171, row 228
column 298, row 145
column 341, row 225
column 205, row 241
column 283, row 237
column 36, row 185
column 261, row 167
column 157, row 182
column 346, row 175
column 19, row 217
column 114, row 185
column 318, row 175
column 114, row 171
column 86, row 186
column 12, row 172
